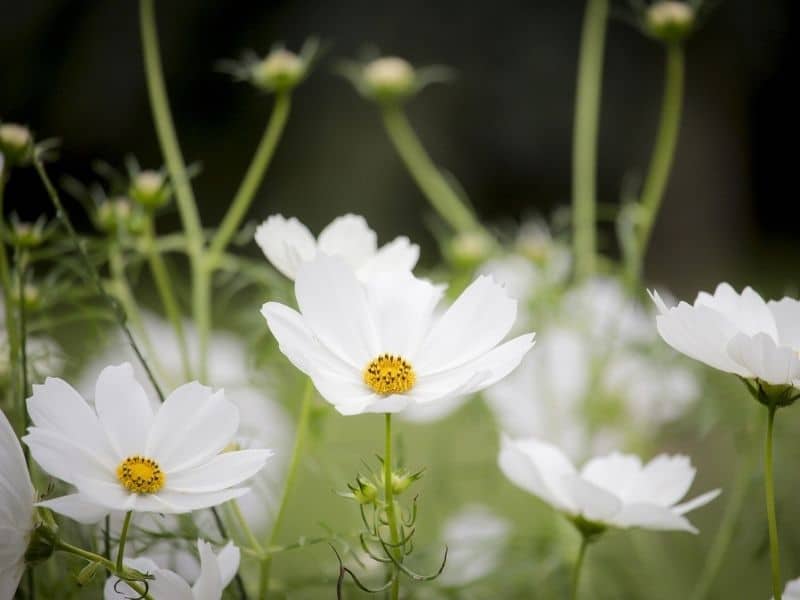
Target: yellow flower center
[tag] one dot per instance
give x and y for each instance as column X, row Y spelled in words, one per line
column 140, row 475
column 389, row 374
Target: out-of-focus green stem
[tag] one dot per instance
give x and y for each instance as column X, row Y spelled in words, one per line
column 5, row 281
column 772, row 520
column 123, row 537
column 663, row 151
column 576, row 572
column 391, row 513
column 252, row 179
column 166, row 293
column 20, row 261
column 291, row 476
column 429, row 178
column 584, row 140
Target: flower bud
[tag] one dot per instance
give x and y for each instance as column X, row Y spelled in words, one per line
column 87, row 573
column 279, row 71
column 364, row 491
column 16, row 144
column 669, row 20
column 470, row 249
column 42, row 544
column 27, row 235
column 118, row 214
column 402, row 480
column 150, row 189
column 389, row 78
column 31, row 297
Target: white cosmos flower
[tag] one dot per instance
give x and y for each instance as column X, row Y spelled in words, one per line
column 123, row 455
column 216, row 572
column 16, row 510
column 614, row 490
column 287, row 244
column 377, row 346
column 475, row 538
column 737, row 333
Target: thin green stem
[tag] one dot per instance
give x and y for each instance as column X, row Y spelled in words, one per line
column 119, row 314
column 21, row 268
column 772, row 520
column 576, row 571
column 5, row 281
column 165, row 128
column 201, row 307
column 245, row 528
column 584, row 140
column 291, row 475
column 428, row 176
column 663, row 151
column 166, row 292
column 123, row 537
column 253, row 176
column 391, row 513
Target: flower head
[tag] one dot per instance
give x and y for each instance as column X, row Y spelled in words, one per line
column 16, row 510
column 610, row 491
column 669, row 20
column 737, row 333
column 16, row 144
column 123, row 455
column 377, row 346
column 391, row 79
column 216, row 572
column 287, row 244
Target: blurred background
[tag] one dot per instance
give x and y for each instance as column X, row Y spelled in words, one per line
column 73, row 70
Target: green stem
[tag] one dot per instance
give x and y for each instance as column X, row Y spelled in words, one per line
column 725, row 531
column 428, row 176
column 291, row 476
column 772, row 521
column 584, row 140
column 5, row 280
column 119, row 314
column 21, row 268
column 576, row 572
column 166, row 293
column 244, row 526
column 391, row 513
column 253, row 177
column 165, row 128
column 663, row 151
column 201, row 307
column 123, row 537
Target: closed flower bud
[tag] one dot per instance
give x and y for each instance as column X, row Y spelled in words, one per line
column 42, row 544
column 364, row 491
column 16, row 144
column 279, row 71
column 470, row 249
column 27, row 235
column 117, row 214
column 389, row 78
column 669, row 20
column 150, row 189
column 402, row 480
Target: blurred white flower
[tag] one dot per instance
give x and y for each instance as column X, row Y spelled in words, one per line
column 476, row 539
column 123, row 455
column 614, row 490
column 44, row 355
column 287, row 244
column 216, row 572
column 16, row 510
column 518, row 274
column 792, row 591
column 737, row 333
column 376, row 347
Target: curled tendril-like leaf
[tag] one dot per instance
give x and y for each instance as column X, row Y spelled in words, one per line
column 412, row 514
column 406, row 537
column 367, row 526
column 369, row 552
column 411, row 574
column 344, row 571
column 142, row 595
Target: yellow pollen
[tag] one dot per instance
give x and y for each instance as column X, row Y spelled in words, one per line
column 140, row 475
column 389, row 374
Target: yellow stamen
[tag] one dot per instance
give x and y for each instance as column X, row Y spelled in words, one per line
column 140, row 475
column 389, row 374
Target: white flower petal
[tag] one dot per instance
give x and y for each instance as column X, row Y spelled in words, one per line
column 696, row 502
column 662, row 481
column 761, row 356
column 398, row 255
column 476, row 322
column 286, row 243
column 348, row 237
column 191, row 426
column 615, row 473
column 123, row 409
column 11, row 576
column 110, row 494
column 16, row 489
column 792, row 591
column 786, row 313
column 228, row 563
column 209, row 585
column 166, row 584
column 176, row 502
column 222, row 471
column 747, row 311
column 650, row 516
column 592, row 501
column 77, row 507
column 334, row 306
column 67, row 458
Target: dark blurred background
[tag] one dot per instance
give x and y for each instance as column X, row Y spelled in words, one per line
column 73, row 70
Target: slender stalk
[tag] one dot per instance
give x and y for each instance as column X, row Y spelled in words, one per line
column 576, row 572
column 165, row 128
column 291, row 476
column 584, row 139
column 21, row 268
column 253, row 176
column 664, row 149
column 725, row 531
column 201, row 307
column 429, row 178
column 123, row 537
column 5, row 283
column 391, row 513
column 117, row 311
column 245, row 527
column 166, row 293
column 772, row 521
